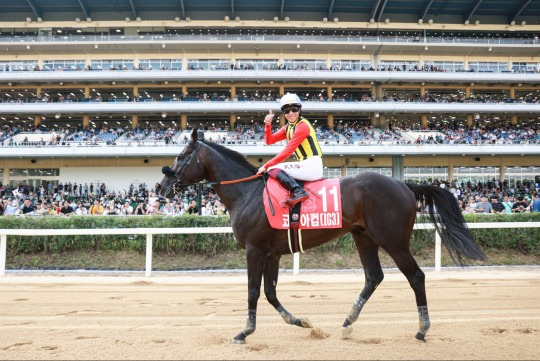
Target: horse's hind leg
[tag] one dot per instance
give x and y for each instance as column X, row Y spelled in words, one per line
column 369, row 255
column 271, row 270
column 408, row 266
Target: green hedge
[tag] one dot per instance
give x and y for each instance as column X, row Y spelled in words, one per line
column 525, row 240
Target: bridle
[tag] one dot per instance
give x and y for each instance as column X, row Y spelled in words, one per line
column 176, row 187
column 169, row 172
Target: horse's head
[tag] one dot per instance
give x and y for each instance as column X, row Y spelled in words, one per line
column 186, row 169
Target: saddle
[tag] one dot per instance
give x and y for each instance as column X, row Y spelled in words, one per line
column 321, row 210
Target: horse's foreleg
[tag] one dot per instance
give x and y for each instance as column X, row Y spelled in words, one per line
column 255, row 264
column 271, row 270
column 373, row 277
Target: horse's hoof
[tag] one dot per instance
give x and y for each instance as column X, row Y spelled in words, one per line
column 305, row 323
column 238, row 341
column 346, row 332
column 421, row 337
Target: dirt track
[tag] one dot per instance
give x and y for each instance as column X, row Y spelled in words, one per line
column 475, row 314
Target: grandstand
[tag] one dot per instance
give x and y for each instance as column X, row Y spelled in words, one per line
column 99, row 91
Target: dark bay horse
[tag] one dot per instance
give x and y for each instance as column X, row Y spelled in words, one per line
column 377, row 210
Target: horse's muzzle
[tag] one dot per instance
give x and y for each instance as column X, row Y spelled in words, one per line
column 168, row 172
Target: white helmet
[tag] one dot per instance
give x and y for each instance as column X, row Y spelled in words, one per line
column 288, row 99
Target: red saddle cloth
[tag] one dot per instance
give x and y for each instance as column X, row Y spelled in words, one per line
column 321, row 210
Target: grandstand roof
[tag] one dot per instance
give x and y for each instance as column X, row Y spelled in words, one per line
column 455, row 11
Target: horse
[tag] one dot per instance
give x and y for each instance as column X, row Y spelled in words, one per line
column 377, row 211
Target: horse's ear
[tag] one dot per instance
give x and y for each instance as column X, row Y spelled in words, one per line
column 194, row 134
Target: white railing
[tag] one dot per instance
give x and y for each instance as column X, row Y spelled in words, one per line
column 149, row 232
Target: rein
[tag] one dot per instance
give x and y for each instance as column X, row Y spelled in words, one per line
column 246, row 179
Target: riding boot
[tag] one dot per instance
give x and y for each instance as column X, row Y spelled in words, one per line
column 298, row 193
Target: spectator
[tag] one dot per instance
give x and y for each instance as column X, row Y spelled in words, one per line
column 126, row 209
column 66, row 210
column 27, row 207
column 507, row 205
column 535, row 205
column 496, row 206
column 520, row 206
column 193, row 208
column 96, row 209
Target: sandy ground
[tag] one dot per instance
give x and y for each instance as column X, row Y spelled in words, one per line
column 475, row 314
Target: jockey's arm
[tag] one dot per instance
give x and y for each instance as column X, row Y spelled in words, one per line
column 300, row 133
column 275, row 137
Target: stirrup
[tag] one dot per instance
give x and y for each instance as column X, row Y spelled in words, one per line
column 293, row 201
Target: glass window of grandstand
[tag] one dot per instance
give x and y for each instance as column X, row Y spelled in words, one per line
column 354, row 65
column 63, row 65
column 160, row 64
column 117, row 95
column 528, row 95
column 33, row 178
column 488, row 67
column 160, row 95
column 381, row 170
column 209, row 64
column 257, row 94
column 448, row 66
column 305, row 65
column 309, row 94
column 426, row 174
column 17, row 96
column 398, row 65
column 525, row 67
column 489, row 96
column 401, row 94
column 111, row 65
column 522, row 175
column 61, row 95
column 331, row 172
column 443, row 95
column 349, row 95
column 244, row 64
column 475, row 174
column 208, row 94
column 19, row 65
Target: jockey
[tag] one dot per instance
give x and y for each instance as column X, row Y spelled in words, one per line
column 302, row 141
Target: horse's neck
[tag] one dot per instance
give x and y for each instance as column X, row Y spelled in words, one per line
column 221, row 169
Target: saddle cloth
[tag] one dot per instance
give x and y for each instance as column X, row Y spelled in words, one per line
column 321, row 210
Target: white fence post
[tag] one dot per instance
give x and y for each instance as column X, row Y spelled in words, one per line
column 437, row 252
column 296, row 263
column 3, row 248
column 148, row 272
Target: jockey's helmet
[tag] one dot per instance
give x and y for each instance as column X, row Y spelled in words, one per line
column 289, row 99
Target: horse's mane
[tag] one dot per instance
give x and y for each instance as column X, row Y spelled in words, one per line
column 232, row 155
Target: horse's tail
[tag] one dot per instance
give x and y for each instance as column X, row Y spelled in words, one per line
column 445, row 214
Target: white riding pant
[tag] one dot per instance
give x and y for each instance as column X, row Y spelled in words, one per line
column 307, row 170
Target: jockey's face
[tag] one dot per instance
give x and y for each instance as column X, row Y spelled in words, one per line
column 291, row 112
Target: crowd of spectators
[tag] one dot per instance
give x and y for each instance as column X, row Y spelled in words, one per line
column 95, row 200
column 343, row 133
column 493, row 196
column 256, row 96
column 359, row 133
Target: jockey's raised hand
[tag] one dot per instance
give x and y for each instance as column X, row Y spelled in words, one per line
column 269, row 117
